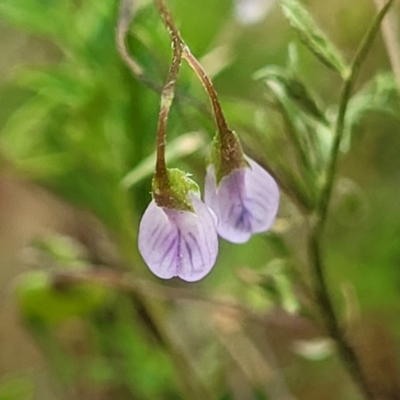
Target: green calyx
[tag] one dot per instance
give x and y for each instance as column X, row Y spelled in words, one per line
column 226, row 155
column 174, row 190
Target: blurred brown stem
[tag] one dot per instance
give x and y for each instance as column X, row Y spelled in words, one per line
column 390, row 33
column 126, row 12
column 125, row 282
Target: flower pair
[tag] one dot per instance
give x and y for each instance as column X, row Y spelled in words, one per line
column 182, row 241
column 178, row 234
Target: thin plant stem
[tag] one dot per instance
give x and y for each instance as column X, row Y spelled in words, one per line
column 226, row 134
column 346, row 351
column 181, row 50
column 192, row 384
column 126, row 282
column 300, row 147
column 302, row 154
column 167, row 96
column 168, row 90
column 323, row 298
column 230, row 147
column 344, row 101
column 195, row 65
column 209, row 87
column 126, row 12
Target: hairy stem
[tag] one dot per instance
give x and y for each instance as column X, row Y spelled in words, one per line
column 194, row 64
column 167, row 95
column 230, row 147
column 209, row 87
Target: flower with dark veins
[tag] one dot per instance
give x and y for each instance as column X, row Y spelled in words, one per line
column 179, row 243
column 246, row 201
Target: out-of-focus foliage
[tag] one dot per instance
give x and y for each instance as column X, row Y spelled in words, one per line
column 313, row 37
column 79, row 124
column 16, row 388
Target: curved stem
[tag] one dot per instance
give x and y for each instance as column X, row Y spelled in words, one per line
column 231, row 153
column 195, row 65
column 220, row 119
column 167, row 96
column 126, row 11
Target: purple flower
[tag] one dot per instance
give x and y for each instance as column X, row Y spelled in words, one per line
column 179, row 243
column 246, row 201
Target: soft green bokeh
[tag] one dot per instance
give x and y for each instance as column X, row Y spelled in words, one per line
column 75, row 121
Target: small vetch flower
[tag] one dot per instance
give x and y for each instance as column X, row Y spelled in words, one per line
column 246, row 200
column 180, row 238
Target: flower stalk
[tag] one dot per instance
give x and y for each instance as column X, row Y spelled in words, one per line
column 231, row 150
column 243, row 195
column 161, row 193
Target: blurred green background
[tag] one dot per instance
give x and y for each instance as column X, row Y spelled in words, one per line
column 76, row 129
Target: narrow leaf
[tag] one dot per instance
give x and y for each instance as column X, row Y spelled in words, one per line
column 178, row 148
column 380, row 94
column 312, row 36
column 24, row 130
column 49, row 18
column 295, row 89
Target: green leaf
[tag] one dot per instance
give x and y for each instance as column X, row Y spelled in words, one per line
column 24, row 131
column 312, row 36
column 142, row 365
column 304, row 132
column 65, row 84
column 368, row 39
column 276, row 282
column 178, row 148
column 62, row 250
column 295, row 89
column 16, row 388
column 45, row 166
column 379, row 94
column 90, row 15
column 38, row 298
column 46, row 17
column 201, row 23
column 95, row 22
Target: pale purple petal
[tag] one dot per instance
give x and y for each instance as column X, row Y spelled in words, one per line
column 246, row 201
column 179, row 243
